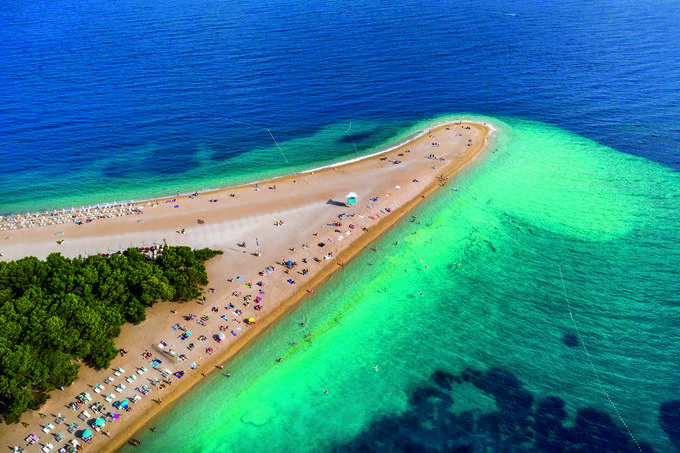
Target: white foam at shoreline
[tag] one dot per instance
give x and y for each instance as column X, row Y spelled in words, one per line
column 115, row 204
column 404, row 143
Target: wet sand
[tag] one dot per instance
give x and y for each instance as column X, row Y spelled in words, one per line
column 258, row 226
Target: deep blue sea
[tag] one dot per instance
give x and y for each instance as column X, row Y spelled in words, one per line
column 106, row 101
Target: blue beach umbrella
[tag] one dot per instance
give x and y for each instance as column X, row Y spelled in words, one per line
column 87, row 434
column 99, row 422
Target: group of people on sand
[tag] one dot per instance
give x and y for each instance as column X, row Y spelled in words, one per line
column 77, row 216
column 253, row 302
column 244, row 313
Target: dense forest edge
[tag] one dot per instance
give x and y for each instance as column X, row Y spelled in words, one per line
column 59, row 312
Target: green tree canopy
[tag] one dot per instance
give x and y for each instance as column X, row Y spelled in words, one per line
column 60, row 310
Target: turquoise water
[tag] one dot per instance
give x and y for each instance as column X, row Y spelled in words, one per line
column 491, row 320
column 109, row 101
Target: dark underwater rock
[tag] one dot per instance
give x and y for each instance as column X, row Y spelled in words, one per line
column 570, row 339
column 513, row 400
column 669, row 419
column 442, row 379
column 517, row 426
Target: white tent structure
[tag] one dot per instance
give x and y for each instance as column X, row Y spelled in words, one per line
column 351, row 198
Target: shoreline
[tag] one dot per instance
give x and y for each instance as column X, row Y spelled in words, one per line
column 130, row 424
column 290, row 304
column 134, row 202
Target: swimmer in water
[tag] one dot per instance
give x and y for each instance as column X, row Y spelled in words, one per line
column 376, row 367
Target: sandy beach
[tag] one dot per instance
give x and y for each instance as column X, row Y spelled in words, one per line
column 302, row 219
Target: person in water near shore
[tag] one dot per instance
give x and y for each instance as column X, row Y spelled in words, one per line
column 226, row 272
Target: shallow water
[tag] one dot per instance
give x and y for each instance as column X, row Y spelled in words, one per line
column 547, row 209
column 115, row 101
column 105, row 101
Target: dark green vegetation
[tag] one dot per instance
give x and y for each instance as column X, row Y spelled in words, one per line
column 56, row 312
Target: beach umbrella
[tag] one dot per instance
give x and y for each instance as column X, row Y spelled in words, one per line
column 99, row 422
column 221, row 336
column 351, row 198
column 87, row 434
column 239, row 277
column 123, row 403
column 289, row 262
column 251, row 319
